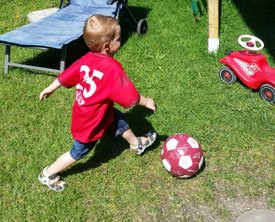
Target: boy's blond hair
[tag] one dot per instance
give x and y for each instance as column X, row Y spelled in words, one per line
column 99, row 29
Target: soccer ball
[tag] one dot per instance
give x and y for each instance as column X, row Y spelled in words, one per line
column 181, row 155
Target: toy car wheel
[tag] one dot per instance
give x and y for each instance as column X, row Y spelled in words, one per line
column 267, row 93
column 227, row 75
column 142, row 27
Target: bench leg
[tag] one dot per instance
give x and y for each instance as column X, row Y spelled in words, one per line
column 63, row 58
column 7, row 59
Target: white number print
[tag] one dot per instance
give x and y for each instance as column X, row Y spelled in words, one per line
column 89, row 80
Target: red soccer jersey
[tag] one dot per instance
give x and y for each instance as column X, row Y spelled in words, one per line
column 100, row 81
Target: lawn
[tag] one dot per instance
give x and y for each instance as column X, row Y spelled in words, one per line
column 234, row 126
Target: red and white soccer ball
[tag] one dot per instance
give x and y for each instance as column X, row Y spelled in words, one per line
column 181, row 155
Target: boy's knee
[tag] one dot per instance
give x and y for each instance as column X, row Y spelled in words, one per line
column 75, row 155
column 119, row 125
column 80, row 150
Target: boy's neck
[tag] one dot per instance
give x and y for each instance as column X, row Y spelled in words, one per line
column 103, row 53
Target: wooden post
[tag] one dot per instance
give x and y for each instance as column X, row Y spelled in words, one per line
column 213, row 25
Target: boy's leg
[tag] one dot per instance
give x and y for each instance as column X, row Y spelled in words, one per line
column 139, row 144
column 120, row 127
column 48, row 175
column 130, row 137
column 64, row 161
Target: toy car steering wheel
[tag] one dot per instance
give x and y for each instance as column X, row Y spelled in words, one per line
column 251, row 44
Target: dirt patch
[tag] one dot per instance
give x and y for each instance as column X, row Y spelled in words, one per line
column 227, row 209
column 227, row 204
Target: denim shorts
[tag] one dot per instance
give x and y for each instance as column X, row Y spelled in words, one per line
column 118, row 126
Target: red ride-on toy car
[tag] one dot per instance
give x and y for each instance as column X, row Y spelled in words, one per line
column 250, row 67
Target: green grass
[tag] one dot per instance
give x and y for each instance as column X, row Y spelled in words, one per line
column 234, row 126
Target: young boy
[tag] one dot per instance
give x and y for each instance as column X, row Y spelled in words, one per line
column 100, row 81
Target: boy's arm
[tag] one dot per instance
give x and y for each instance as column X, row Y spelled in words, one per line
column 50, row 89
column 147, row 102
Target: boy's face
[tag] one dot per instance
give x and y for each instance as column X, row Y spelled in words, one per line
column 115, row 43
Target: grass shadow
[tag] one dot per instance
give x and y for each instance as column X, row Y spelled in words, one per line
column 260, row 17
column 110, row 147
column 127, row 23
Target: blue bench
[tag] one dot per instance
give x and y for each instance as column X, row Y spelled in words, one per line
column 57, row 30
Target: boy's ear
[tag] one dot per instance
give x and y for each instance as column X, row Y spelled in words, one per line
column 106, row 46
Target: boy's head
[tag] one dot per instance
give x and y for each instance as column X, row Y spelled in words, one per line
column 100, row 32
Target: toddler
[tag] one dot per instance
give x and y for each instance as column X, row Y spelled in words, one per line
column 100, row 81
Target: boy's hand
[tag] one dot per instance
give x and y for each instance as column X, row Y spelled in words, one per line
column 150, row 104
column 50, row 89
column 147, row 102
column 46, row 92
